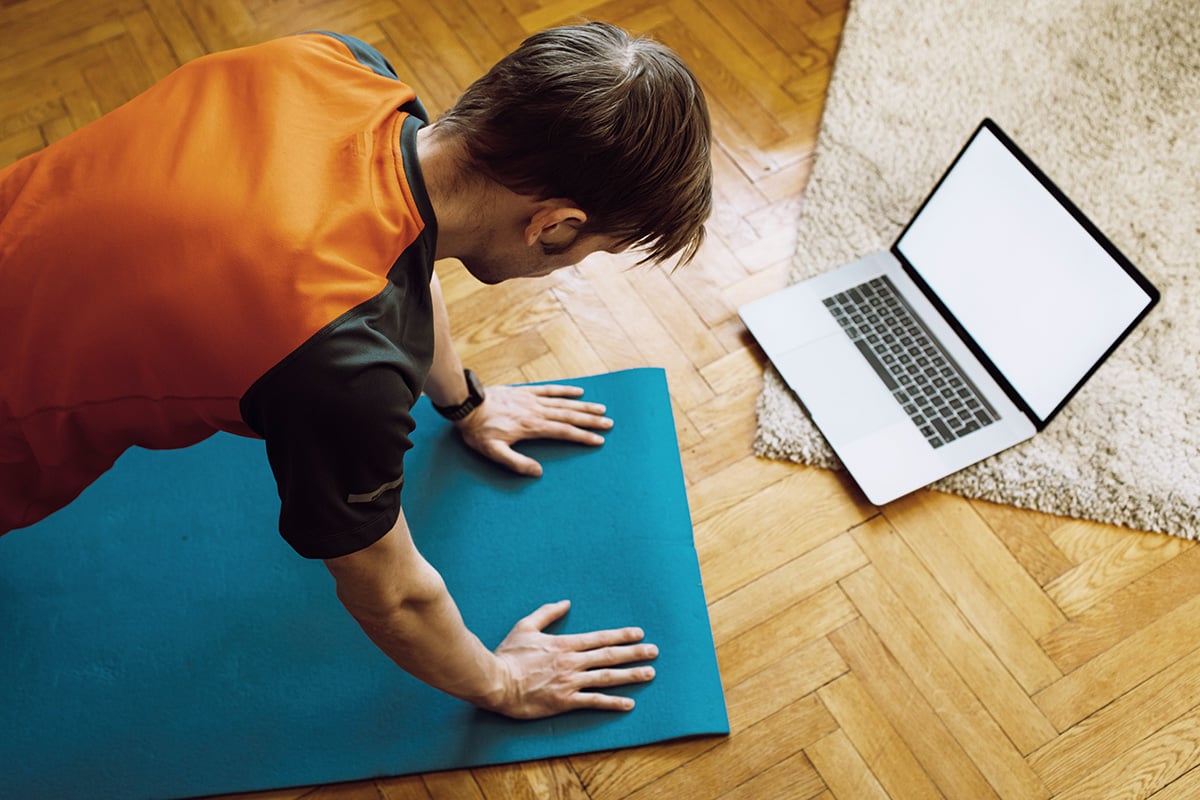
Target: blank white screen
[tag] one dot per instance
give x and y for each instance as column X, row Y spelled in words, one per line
column 1040, row 296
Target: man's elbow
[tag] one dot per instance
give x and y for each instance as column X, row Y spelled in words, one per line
column 390, row 609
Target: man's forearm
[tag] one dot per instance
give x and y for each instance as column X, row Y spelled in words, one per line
column 425, row 636
column 445, row 385
column 402, row 604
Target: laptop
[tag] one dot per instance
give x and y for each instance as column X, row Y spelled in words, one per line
column 993, row 307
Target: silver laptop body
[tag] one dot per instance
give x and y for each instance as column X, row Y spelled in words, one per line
column 992, row 308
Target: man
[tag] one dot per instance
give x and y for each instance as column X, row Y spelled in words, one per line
column 248, row 246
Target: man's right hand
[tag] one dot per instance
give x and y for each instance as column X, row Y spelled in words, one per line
column 545, row 674
column 402, row 604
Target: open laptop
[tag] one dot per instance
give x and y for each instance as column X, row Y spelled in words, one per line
column 993, row 307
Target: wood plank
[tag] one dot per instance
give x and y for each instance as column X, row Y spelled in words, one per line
column 1122, row 667
column 409, row 787
column 715, row 448
column 981, row 738
column 918, row 723
column 121, row 75
column 800, row 674
column 879, row 746
column 1148, row 766
column 843, row 769
column 176, row 29
column 679, row 320
column 1026, row 534
column 728, row 412
column 654, row 343
column 354, row 790
column 556, row 12
column 794, row 778
column 1119, row 726
column 571, row 348
column 152, row 46
column 1080, row 539
column 978, row 548
column 596, row 321
column 783, row 522
column 457, row 784
column 737, row 482
column 1185, row 787
column 1106, row 572
column 531, row 780
column 288, row 17
column 19, row 144
column 779, row 598
column 974, row 660
column 34, row 30
column 753, row 706
column 220, row 24
column 25, row 65
column 1125, row 613
column 738, row 759
column 1002, row 602
column 795, row 636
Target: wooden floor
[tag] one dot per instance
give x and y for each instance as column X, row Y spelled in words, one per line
column 932, row 648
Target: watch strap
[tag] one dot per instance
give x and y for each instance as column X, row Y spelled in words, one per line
column 475, row 396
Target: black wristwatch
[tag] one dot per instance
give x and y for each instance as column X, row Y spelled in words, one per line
column 475, row 396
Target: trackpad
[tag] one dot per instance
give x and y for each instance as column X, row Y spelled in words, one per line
column 839, row 388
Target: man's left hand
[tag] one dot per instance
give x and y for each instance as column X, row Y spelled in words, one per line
column 511, row 414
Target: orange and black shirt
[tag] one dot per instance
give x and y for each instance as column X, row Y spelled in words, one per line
column 247, row 247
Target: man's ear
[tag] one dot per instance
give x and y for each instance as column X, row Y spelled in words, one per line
column 555, row 223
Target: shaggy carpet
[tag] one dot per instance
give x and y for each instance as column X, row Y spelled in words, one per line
column 1105, row 96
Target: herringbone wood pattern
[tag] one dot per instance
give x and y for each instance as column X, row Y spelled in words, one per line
column 932, row 648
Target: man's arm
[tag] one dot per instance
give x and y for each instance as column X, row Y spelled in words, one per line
column 509, row 414
column 402, row 604
column 445, row 385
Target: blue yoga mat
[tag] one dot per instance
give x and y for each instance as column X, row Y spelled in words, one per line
column 159, row 639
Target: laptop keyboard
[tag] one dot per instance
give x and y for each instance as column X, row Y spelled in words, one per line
column 930, row 387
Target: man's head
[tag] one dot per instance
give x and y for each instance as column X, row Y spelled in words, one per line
column 616, row 125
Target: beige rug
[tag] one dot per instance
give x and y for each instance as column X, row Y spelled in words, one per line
column 1105, row 96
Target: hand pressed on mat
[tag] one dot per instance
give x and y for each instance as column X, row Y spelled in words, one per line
column 549, row 674
column 511, row 414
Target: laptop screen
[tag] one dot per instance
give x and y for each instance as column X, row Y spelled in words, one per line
column 1042, row 293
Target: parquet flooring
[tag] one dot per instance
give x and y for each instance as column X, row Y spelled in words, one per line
column 932, row 648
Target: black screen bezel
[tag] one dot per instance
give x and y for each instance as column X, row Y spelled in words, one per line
column 1140, row 279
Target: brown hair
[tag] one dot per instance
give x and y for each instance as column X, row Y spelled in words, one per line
column 614, row 123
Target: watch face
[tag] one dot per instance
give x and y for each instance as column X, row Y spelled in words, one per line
column 474, row 387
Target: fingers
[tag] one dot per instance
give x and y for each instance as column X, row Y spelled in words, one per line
column 600, row 702
column 607, row 679
column 576, row 412
column 552, row 674
column 597, row 651
column 502, row 453
column 595, row 640
column 615, row 656
column 555, row 390
column 592, row 679
column 566, row 431
column 547, row 615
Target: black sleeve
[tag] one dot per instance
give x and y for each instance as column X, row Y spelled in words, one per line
column 375, row 61
column 336, row 418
